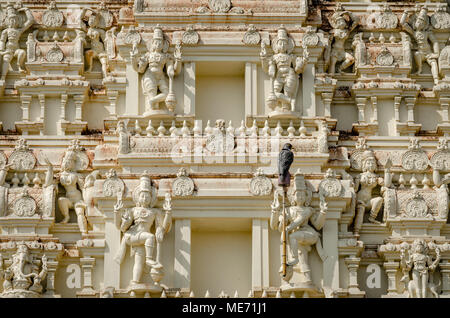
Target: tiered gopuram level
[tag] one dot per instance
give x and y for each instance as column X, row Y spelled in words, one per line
column 139, row 148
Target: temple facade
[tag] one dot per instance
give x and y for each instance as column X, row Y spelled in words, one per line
column 140, row 141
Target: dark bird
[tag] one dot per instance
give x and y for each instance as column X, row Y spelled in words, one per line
column 285, row 159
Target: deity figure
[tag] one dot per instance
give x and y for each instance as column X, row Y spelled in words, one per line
column 74, row 184
column 359, row 46
column 419, row 30
column 283, row 68
column 155, row 65
column 420, row 263
column 97, row 34
column 366, row 182
column 343, row 23
column 23, row 274
column 137, row 224
column 9, row 38
column 300, row 221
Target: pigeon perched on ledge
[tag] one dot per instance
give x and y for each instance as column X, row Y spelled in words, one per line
column 285, row 159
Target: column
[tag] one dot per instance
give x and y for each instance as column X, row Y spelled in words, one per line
column 361, row 104
column 309, row 92
column 352, row 263
column 79, row 100
column 410, row 102
column 330, row 246
column 375, row 109
column 189, row 88
column 132, row 90
column 260, row 253
column 182, row 264
column 87, row 264
column 42, row 102
column 444, row 109
column 391, row 271
column 63, row 106
column 113, row 95
column 52, row 264
column 327, row 98
column 251, row 98
column 112, row 244
column 397, row 102
column 26, row 101
column 445, row 271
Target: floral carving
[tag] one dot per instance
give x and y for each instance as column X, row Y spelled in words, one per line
column 441, row 158
column 441, row 18
column 24, row 206
column 252, row 36
column 183, row 185
column 113, row 186
column 219, row 6
column 260, row 184
column 385, row 58
column 22, row 157
column 383, row 19
column 415, row 159
column 330, row 186
column 310, row 38
column 356, row 156
column 55, row 54
column 52, row 17
column 190, row 36
column 417, row 207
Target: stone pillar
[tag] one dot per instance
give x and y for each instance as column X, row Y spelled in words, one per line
column 112, row 244
column 260, row 253
column 182, row 264
column 132, row 90
column 79, row 100
column 327, row 98
column 87, row 264
column 352, row 263
column 42, row 103
column 189, row 88
column 63, row 106
column 444, row 109
column 309, row 91
column 361, row 104
column 391, row 271
column 397, row 102
column 26, row 101
column 445, row 271
column 52, row 264
column 374, row 101
column 330, row 245
column 410, row 102
column 113, row 95
column 251, row 97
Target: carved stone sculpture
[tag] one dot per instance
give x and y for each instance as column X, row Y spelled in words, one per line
column 260, row 183
column 136, row 224
column 419, row 262
column 365, row 184
column 22, row 157
column 283, row 68
column 155, row 64
column 52, row 17
column 23, row 278
column 338, row 35
column 418, row 28
column 183, row 185
column 302, row 222
column 9, row 38
column 124, row 137
column 99, row 21
column 360, row 50
column 74, row 160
